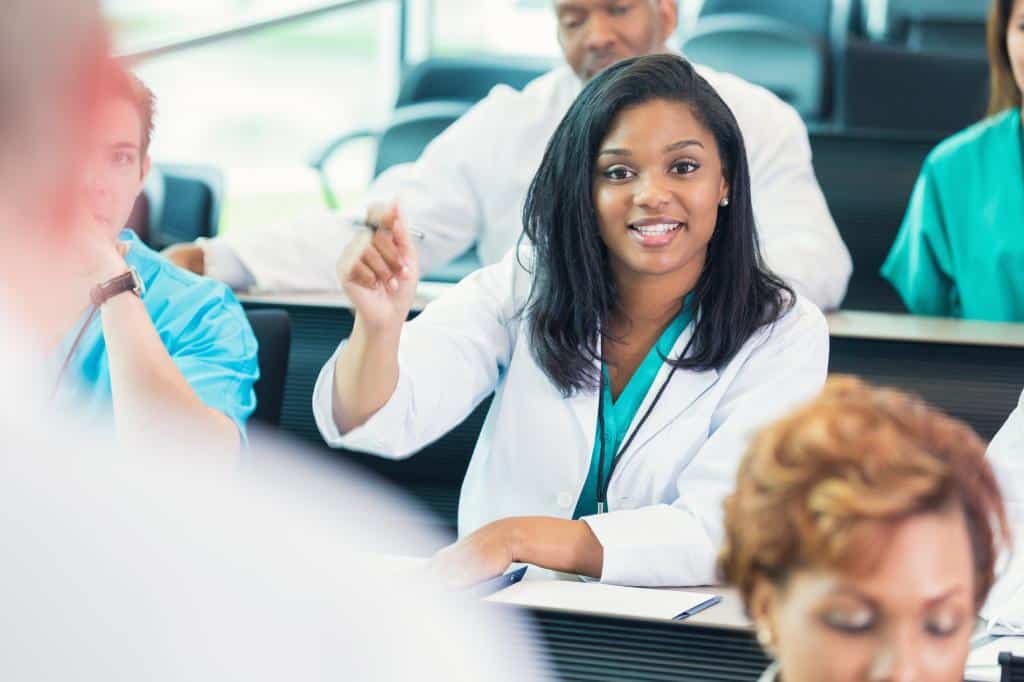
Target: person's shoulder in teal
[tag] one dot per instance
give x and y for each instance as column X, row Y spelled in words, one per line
column 203, row 328
column 960, row 250
column 200, row 323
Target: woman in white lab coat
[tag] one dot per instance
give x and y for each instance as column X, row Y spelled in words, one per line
column 641, row 283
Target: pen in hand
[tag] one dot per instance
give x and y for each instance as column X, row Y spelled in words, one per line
column 372, row 227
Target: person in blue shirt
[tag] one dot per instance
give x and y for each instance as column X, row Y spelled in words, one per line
column 151, row 347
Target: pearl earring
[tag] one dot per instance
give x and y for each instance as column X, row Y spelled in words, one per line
column 724, row 202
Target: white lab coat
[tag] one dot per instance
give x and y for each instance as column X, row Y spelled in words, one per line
column 1005, row 604
column 664, row 523
column 470, row 183
column 1006, row 455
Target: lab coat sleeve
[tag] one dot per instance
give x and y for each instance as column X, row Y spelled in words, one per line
column 1005, row 604
column 920, row 262
column 677, row 544
column 1006, row 455
column 799, row 239
column 296, row 254
column 439, row 195
column 450, row 358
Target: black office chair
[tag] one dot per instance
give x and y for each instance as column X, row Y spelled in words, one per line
column 937, row 45
column 787, row 59
column 466, row 79
column 273, row 330
column 433, row 95
column 179, row 203
column 810, row 15
column 1011, row 667
column 867, row 177
column 401, row 140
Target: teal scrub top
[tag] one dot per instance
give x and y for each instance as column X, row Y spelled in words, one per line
column 960, row 250
column 619, row 414
column 200, row 323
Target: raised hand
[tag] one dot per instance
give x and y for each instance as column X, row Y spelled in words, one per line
column 379, row 271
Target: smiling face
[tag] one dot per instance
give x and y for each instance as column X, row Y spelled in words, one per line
column 910, row 618
column 116, row 166
column 595, row 34
column 657, row 190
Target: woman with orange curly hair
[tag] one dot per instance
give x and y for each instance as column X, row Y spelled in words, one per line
column 863, row 535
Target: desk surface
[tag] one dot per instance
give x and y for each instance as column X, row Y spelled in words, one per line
column 853, row 324
column 857, row 324
column 727, row 614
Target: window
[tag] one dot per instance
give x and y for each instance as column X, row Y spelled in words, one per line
column 256, row 106
column 512, row 27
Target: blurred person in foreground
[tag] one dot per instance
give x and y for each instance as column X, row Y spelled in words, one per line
column 863, row 536
column 127, row 564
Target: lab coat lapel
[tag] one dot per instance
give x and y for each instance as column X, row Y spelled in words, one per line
column 685, row 388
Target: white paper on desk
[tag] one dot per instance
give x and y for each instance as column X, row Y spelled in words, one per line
column 601, row 599
column 983, row 661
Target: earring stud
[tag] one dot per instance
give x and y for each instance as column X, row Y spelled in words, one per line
column 724, row 202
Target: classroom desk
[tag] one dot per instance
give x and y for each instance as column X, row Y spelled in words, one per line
column 972, row 370
column 716, row 644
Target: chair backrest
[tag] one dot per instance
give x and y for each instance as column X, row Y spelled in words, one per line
column 891, row 87
column 1011, row 668
column 909, row 64
column 811, row 15
column 467, row 79
column 412, row 128
column 867, row 178
column 943, row 25
column 273, row 330
column 179, row 203
column 789, row 60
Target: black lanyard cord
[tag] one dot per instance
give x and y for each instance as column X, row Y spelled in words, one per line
column 602, row 484
column 93, row 309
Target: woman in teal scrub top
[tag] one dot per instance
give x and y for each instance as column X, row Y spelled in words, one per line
column 631, row 345
column 960, row 251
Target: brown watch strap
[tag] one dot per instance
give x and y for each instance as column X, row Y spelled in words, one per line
column 101, row 293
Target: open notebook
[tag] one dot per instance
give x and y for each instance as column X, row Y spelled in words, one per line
column 534, row 589
column 609, row 600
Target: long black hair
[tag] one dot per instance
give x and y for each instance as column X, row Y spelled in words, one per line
column 573, row 291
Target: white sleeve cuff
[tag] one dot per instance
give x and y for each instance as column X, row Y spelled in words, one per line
column 384, row 434
column 657, row 546
column 224, row 265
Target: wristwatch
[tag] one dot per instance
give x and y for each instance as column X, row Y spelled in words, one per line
column 129, row 281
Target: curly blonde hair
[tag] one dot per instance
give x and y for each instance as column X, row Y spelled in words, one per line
column 815, row 487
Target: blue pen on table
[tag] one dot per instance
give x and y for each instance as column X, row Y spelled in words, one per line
column 703, row 606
